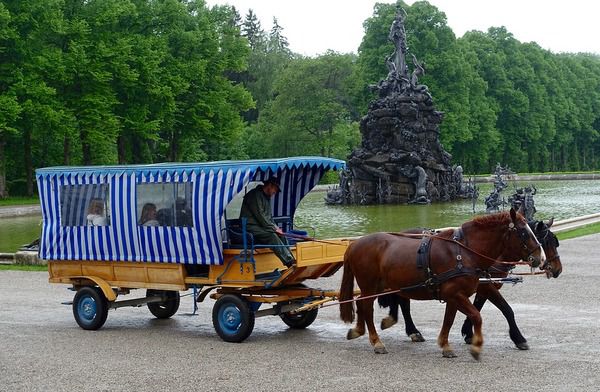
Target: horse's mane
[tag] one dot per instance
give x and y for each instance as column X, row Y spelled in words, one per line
column 500, row 218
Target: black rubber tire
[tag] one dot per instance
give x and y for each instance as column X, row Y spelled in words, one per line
column 232, row 318
column 164, row 309
column 300, row 320
column 90, row 308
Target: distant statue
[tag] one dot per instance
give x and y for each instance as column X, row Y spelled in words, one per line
column 398, row 36
column 523, row 199
column 493, row 202
column 418, row 71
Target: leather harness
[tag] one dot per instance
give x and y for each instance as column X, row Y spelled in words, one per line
column 433, row 281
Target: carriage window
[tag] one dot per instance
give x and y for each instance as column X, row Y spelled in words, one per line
column 164, row 204
column 86, row 204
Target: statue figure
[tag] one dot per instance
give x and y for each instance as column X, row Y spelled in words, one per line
column 493, row 202
column 398, row 36
column 418, row 71
column 421, row 186
column 523, row 198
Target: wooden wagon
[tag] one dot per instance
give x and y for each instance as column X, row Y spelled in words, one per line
column 191, row 245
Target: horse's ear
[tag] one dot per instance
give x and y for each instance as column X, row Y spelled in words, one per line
column 521, row 210
column 513, row 215
column 550, row 222
column 539, row 226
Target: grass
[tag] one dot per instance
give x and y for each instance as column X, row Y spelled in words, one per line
column 19, row 201
column 22, row 267
column 593, row 228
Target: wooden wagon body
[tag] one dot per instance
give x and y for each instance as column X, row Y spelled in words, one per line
column 190, row 246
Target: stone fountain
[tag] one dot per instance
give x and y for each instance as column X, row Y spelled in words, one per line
column 401, row 159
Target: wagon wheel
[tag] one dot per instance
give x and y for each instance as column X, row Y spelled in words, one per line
column 232, row 318
column 166, row 308
column 90, row 308
column 300, row 320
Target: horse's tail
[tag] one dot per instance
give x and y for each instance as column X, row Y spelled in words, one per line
column 347, row 292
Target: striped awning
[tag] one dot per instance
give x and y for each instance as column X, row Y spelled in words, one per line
column 65, row 193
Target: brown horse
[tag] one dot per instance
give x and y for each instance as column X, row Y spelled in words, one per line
column 385, row 261
column 485, row 291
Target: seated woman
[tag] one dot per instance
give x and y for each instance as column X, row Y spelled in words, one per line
column 95, row 214
column 148, row 217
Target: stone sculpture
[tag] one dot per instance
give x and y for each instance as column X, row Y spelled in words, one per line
column 401, row 159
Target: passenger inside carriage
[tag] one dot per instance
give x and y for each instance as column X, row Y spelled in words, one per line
column 95, row 213
column 256, row 208
column 149, row 215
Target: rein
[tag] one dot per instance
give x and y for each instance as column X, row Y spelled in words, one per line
column 452, row 240
column 306, row 238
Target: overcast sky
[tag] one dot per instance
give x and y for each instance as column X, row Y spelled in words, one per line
column 314, row 26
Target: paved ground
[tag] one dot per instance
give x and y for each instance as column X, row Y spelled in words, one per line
column 42, row 348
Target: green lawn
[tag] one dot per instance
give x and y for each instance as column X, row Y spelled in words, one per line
column 579, row 232
column 20, row 267
column 19, row 201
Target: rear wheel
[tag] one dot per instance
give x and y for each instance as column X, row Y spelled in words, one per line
column 300, row 320
column 166, row 308
column 90, row 308
column 232, row 318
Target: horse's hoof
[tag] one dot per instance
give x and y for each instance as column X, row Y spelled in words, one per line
column 522, row 346
column 448, row 354
column 387, row 322
column 416, row 337
column 468, row 340
column 352, row 334
column 380, row 349
column 475, row 352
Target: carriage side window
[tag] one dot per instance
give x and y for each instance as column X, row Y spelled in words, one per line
column 85, row 205
column 164, row 204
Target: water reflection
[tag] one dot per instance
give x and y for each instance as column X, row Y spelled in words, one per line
column 558, row 199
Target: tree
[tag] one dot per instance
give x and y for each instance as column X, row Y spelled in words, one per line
column 310, row 106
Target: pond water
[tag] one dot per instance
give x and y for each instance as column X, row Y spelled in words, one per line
column 561, row 199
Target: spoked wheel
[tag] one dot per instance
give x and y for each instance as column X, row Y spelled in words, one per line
column 300, row 320
column 232, row 318
column 90, row 308
column 166, row 308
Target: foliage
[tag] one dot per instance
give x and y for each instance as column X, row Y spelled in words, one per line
column 141, row 81
column 310, row 114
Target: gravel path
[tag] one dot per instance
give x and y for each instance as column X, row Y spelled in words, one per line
column 42, row 348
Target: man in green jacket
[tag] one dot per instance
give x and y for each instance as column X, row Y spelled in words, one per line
column 256, row 208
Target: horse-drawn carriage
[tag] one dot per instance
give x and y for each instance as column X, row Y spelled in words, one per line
column 108, row 250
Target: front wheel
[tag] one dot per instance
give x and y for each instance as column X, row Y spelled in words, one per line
column 300, row 320
column 166, row 308
column 232, row 318
column 90, row 308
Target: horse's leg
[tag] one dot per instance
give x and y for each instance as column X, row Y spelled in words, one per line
column 515, row 335
column 390, row 301
column 359, row 329
column 411, row 329
column 367, row 310
column 442, row 340
column 465, row 306
column 467, row 328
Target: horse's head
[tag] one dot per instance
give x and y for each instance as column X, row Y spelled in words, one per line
column 520, row 236
column 552, row 266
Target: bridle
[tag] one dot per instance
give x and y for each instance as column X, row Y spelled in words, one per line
column 544, row 240
column 524, row 235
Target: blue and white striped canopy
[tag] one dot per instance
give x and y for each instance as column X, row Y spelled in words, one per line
column 65, row 235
